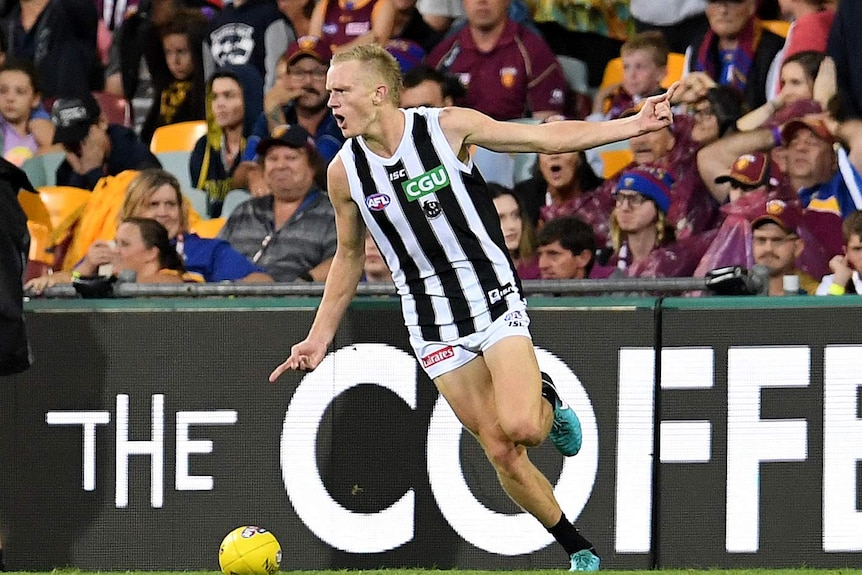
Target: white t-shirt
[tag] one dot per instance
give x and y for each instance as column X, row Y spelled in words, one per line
column 823, row 288
column 450, row 8
column 666, row 12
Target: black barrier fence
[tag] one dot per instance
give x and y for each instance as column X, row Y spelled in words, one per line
column 146, row 430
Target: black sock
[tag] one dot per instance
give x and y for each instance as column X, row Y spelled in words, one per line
column 548, row 392
column 2, row 565
column 569, row 537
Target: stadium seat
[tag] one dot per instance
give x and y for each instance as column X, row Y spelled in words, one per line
column 64, row 204
column 780, row 27
column 497, row 167
column 614, row 161
column 116, row 109
column 208, row 228
column 575, row 71
column 42, row 169
column 179, row 137
column 40, row 229
column 198, row 200
column 232, row 200
column 177, row 163
column 675, row 68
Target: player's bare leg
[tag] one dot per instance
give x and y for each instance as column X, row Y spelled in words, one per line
column 506, row 413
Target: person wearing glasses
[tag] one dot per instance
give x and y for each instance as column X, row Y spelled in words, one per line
column 639, row 222
column 299, row 97
column 290, row 233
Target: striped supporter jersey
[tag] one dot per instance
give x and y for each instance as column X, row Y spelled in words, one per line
column 437, row 228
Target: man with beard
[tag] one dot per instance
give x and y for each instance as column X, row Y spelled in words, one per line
column 299, row 97
column 776, row 244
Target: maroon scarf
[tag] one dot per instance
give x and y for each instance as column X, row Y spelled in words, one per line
column 749, row 40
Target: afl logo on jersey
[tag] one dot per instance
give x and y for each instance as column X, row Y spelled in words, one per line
column 377, row 202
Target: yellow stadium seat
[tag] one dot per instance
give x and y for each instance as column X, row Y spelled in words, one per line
column 179, row 137
column 613, row 73
column 208, row 228
column 675, row 69
column 64, row 204
column 39, row 226
column 614, row 161
column 779, row 27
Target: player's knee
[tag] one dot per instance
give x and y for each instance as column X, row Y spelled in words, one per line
column 501, row 454
column 522, row 429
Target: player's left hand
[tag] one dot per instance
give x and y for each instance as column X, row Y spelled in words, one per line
column 656, row 112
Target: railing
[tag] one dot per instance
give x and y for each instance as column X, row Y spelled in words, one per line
column 623, row 286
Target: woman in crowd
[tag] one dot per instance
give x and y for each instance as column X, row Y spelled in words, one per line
column 518, row 232
column 143, row 250
column 156, row 194
column 559, row 181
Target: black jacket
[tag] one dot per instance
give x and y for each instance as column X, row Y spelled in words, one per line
column 63, row 48
column 14, row 246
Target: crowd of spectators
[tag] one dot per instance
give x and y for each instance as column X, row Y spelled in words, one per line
column 761, row 165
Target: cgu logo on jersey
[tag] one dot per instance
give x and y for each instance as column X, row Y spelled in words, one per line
column 377, row 202
column 427, row 183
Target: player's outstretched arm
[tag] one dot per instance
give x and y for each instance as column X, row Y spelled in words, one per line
column 464, row 127
column 341, row 282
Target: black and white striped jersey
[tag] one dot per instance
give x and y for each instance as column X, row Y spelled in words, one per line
column 437, row 228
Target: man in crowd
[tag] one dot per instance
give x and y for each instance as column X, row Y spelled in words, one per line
column 93, row 147
column 290, row 233
column 300, row 97
column 508, row 70
column 776, row 244
column 566, row 249
column 426, row 86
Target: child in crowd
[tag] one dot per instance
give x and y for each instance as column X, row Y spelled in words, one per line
column 644, row 59
column 25, row 128
column 845, row 267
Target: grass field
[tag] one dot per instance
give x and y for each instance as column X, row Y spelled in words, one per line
column 460, row 572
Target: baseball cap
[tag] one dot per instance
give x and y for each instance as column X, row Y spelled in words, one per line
column 816, row 125
column 72, row 118
column 650, row 181
column 749, row 171
column 787, row 215
column 308, row 46
column 290, row 135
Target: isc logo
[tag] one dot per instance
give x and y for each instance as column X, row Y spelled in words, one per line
column 429, row 182
column 377, row 202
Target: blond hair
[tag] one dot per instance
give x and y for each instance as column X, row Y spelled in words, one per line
column 379, row 60
column 664, row 231
column 651, row 41
column 143, row 187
